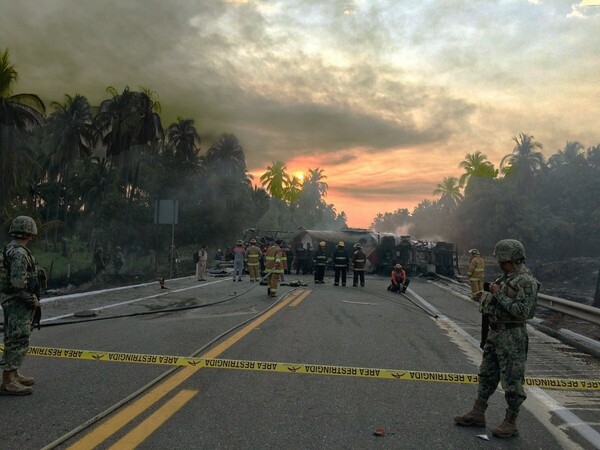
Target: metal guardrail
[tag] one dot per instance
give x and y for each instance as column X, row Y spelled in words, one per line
column 584, row 312
column 574, row 309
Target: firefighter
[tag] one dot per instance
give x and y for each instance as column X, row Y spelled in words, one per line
column 340, row 263
column 475, row 273
column 284, row 261
column 274, row 267
column 253, row 255
column 399, row 280
column 300, row 259
column 320, row 259
column 359, row 259
column 239, row 255
column 290, row 259
column 308, row 262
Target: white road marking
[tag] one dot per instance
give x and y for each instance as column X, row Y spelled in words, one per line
column 114, row 305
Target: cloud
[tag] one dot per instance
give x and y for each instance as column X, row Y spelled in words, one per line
column 333, row 84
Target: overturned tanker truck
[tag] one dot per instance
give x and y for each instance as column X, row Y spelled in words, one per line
column 384, row 250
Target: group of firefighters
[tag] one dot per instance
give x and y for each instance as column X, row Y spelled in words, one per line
column 274, row 259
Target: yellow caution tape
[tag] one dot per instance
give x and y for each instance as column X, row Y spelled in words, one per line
column 298, row 368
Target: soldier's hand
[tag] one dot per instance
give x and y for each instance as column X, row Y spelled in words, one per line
column 494, row 288
column 31, row 302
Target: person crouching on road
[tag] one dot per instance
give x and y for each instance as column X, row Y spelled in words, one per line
column 399, row 280
column 359, row 259
column 511, row 300
column 274, row 267
column 475, row 273
column 19, row 299
column 253, row 255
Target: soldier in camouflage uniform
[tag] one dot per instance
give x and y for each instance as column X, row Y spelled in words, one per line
column 20, row 299
column 511, row 300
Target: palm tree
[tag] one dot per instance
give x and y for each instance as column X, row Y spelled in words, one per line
column 570, row 155
column 449, row 189
column 476, row 164
column 94, row 184
column 524, row 161
column 127, row 124
column 275, row 179
column 314, row 178
column 127, row 120
column 184, row 141
column 292, row 191
column 69, row 139
column 19, row 113
column 226, row 158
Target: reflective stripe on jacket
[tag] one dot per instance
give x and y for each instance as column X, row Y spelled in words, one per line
column 476, row 268
column 253, row 254
column 359, row 259
column 273, row 259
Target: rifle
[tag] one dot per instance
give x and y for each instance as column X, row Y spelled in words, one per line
column 485, row 299
column 35, row 285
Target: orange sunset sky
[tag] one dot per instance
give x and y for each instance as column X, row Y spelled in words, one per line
column 387, row 97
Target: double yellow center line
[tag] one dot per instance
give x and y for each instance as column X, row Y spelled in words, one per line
column 135, row 437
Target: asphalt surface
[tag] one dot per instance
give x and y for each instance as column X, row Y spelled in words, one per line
column 345, row 326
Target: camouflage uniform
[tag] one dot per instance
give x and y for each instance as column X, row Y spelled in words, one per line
column 19, row 300
column 510, row 302
column 18, row 306
column 505, row 351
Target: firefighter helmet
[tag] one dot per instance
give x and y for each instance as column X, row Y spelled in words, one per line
column 397, row 267
column 474, row 251
column 358, row 245
column 22, row 225
column 322, row 244
column 341, row 244
column 240, row 242
column 509, row 250
column 253, row 241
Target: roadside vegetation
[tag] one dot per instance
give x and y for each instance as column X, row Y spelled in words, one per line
column 90, row 175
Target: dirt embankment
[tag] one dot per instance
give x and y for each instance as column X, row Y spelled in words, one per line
column 572, row 279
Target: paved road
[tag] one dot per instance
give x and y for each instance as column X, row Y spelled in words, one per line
column 209, row 408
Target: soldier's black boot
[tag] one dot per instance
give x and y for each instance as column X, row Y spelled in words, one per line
column 475, row 417
column 508, row 427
